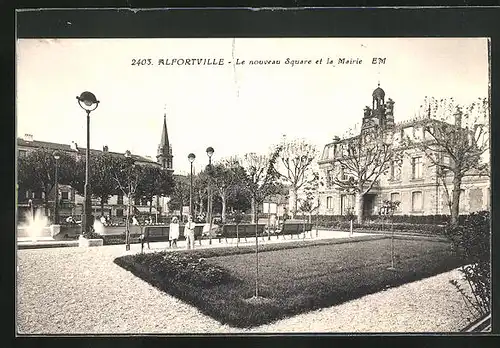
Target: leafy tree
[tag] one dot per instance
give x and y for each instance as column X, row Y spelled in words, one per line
column 365, row 157
column 239, row 199
column 154, row 181
column 472, row 239
column 456, row 138
column 224, row 178
column 296, row 159
column 200, row 194
column 36, row 172
column 127, row 177
column 180, row 193
column 103, row 166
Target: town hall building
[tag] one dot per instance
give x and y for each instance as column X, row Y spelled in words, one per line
column 410, row 179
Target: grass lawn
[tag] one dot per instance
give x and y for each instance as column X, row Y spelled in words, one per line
column 293, row 279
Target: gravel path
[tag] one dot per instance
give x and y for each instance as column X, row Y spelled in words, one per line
column 81, row 291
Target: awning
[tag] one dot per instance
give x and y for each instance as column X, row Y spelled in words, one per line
column 145, row 210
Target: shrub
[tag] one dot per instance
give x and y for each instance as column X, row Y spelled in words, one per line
column 472, row 238
column 183, row 267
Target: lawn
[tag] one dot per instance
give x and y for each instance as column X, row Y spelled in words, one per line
column 293, row 279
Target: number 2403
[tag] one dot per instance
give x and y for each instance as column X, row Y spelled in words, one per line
column 141, row 61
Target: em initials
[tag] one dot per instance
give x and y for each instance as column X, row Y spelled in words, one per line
column 378, row 60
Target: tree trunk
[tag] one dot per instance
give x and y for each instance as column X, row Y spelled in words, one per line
column 254, row 210
column 293, row 202
column 455, row 204
column 359, row 207
column 223, row 213
column 102, row 206
column 46, row 204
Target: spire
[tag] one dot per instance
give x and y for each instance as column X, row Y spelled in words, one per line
column 164, row 156
column 164, row 133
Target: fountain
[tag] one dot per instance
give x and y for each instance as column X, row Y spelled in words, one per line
column 36, row 225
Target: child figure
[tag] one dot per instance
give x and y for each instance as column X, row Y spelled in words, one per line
column 174, row 232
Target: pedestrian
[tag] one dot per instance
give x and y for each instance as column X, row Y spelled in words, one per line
column 134, row 221
column 173, row 232
column 189, row 232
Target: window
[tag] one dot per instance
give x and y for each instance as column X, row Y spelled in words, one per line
column 416, row 201
column 342, row 173
column 119, row 212
column 329, row 176
column 137, row 201
column 329, row 202
column 345, row 203
column 120, row 201
column 395, row 170
column 416, row 167
column 65, row 195
column 395, row 197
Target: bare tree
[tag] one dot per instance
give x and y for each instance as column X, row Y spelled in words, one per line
column 456, row 138
column 363, row 159
column 127, row 177
column 259, row 178
column 296, row 157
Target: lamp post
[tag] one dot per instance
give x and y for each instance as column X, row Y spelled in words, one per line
column 130, row 166
column 191, row 158
column 56, row 189
column 89, row 103
column 210, row 152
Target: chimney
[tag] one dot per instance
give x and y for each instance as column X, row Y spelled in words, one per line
column 28, row 137
column 74, row 146
column 105, row 148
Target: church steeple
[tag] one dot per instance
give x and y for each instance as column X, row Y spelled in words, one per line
column 164, row 156
column 164, row 133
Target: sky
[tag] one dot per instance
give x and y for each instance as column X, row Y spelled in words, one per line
column 233, row 108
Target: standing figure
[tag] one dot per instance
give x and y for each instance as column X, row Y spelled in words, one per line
column 189, row 232
column 134, row 221
column 174, row 232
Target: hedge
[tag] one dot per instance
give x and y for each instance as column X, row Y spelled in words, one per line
column 408, row 219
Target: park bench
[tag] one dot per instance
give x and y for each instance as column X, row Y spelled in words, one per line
column 244, row 231
column 155, row 234
column 295, row 228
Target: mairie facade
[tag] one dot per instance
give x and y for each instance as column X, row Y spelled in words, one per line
column 411, row 178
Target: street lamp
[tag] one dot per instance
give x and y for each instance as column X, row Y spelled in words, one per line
column 130, row 166
column 191, row 158
column 89, row 103
column 56, row 189
column 210, row 152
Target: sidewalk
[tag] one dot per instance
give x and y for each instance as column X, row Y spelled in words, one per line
column 231, row 242
column 82, row 291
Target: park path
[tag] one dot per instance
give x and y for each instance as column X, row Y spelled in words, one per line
column 81, row 291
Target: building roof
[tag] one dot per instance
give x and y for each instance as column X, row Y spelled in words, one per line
column 44, row 144
column 378, row 92
column 80, row 150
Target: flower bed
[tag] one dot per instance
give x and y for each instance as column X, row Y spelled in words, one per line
column 293, row 277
